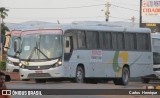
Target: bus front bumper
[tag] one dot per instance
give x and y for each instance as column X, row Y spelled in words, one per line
column 56, row 72
column 11, row 68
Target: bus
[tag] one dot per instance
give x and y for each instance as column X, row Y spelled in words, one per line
column 85, row 53
column 12, row 59
column 156, row 59
column 156, row 53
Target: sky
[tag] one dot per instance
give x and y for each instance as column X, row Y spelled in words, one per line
column 66, row 11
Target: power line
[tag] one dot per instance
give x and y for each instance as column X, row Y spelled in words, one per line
column 80, row 7
column 60, row 8
column 119, row 18
column 77, row 7
column 124, row 4
column 117, row 3
column 124, row 7
column 99, row 0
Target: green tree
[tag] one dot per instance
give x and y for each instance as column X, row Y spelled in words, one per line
column 4, row 28
column 3, row 13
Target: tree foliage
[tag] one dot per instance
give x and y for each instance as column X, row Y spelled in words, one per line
column 4, row 28
column 3, row 14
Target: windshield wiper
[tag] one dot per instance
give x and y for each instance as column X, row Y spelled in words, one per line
column 42, row 53
column 36, row 48
column 16, row 55
column 30, row 55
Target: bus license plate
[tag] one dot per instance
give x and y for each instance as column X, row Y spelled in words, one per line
column 39, row 71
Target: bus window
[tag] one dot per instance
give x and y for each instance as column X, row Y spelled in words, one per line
column 92, row 39
column 143, row 42
column 105, row 40
column 68, row 44
column 156, row 51
column 68, row 47
column 114, row 41
column 71, row 43
column 130, row 41
column 120, row 41
column 81, row 40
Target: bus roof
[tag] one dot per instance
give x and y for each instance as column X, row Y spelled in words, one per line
column 16, row 32
column 42, row 31
column 104, row 28
column 65, row 27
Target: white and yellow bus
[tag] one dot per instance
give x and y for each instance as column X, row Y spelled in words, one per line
column 86, row 53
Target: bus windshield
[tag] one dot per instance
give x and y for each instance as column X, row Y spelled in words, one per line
column 11, row 51
column 41, row 46
column 156, row 50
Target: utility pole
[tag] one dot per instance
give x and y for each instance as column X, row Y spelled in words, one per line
column 140, row 14
column 132, row 19
column 107, row 10
column 0, row 40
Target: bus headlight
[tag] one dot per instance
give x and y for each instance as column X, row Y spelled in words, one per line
column 58, row 63
column 21, row 65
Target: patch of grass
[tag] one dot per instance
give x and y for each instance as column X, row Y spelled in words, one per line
column 3, row 65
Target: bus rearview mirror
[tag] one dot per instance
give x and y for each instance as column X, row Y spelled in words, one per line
column 17, row 45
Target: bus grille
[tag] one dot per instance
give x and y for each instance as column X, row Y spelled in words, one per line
column 38, row 67
column 33, row 75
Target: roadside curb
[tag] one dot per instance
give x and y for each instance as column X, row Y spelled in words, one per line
column 157, row 87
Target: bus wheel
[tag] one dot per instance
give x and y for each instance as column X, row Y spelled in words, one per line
column 125, row 76
column 124, row 79
column 79, row 75
column 145, row 80
column 40, row 80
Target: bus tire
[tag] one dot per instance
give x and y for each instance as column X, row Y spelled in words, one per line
column 79, row 75
column 125, row 76
column 124, row 79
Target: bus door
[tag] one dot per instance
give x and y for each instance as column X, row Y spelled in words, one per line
column 68, row 48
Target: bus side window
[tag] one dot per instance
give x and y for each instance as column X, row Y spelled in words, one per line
column 68, row 48
column 71, row 43
column 68, row 44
